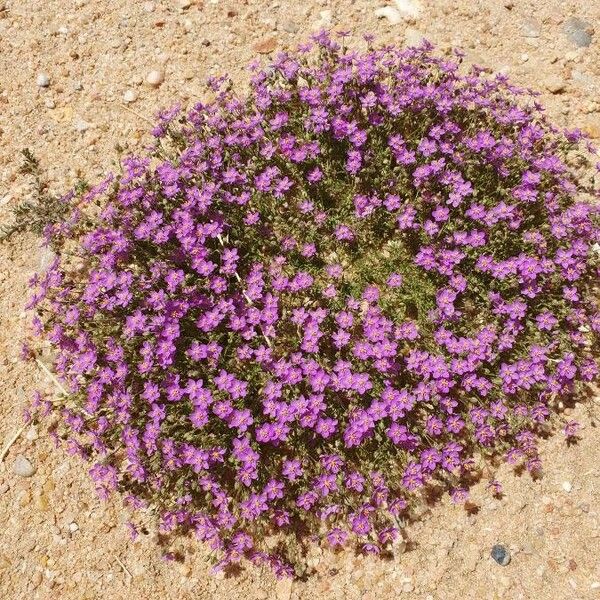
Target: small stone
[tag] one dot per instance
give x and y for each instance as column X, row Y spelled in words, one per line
column 389, row 13
column 283, row 588
column 155, row 77
column 149, row 6
column 43, row 80
column 41, row 503
column 185, row 4
column 23, row 467
column 409, row 8
column 36, row 579
column 595, row 585
column 73, row 527
column 508, row 4
column 290, row 27
column 130, row 96
column 531, row 28
column 554, row 85
column 567, row 486
column 578, row 32
column 78, row 86
column 265, row 46
column 408, row 587
column 32, row 433
column 81, row 125
column 500, row 554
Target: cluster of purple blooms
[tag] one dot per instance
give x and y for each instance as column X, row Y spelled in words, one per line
column 307, row 305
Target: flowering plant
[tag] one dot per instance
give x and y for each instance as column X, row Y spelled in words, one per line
column 304, row 306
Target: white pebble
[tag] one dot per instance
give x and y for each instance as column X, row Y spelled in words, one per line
column 155, row 78
column 149, row 6
column 595, row 585
column 389, row 13
column 130, row 96
column 81, row 125
column 73, row 527
column 23, row 467
column 32, row 433
column 409, row 8
column 567, row 486
column 42, row 80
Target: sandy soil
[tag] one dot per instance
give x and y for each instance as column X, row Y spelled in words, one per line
column 57, row 539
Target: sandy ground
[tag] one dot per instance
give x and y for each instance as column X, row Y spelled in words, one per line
column 57, row 540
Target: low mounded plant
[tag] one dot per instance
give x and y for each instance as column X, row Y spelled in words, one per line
column 306, row 306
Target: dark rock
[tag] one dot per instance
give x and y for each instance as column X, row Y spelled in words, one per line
column 500, row 554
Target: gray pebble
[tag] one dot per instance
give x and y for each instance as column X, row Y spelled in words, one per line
column 500, row 554
column 578, row 32
column 23, row 467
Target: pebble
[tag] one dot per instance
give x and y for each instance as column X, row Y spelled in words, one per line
column 567, row 486
column 130, row 96
column 23, row 467
column 42, row 80
column 595, row 585
column 36, row 579
column 155, row 78
column 500, row 554
column 265, row 46
column 41, row 503
column 578, row 32
column 409, row 8
column 73, row 527
column 32, row 433
column 389, row 13
column 554, row 84
column 531, row 28
column 185, row 4
column 81, row 125
column 290, row 27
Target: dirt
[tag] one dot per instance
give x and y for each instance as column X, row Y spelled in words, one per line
column 58, row 539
